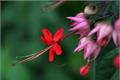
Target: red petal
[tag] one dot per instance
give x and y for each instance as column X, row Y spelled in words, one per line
column 44, row 40
column 57, row 49
column 51, row 55
column 47, row 34
column 58, row 34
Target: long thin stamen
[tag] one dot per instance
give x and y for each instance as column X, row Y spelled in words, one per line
column 33, row 56
column 19, row 57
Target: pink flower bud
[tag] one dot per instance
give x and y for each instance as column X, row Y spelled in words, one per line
column 79, row 24
column 116, row 33
column 117, row 61
column 84, row 70
column 81, row 14
column 117, row 24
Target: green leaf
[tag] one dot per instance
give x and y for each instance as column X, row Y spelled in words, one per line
column 115, row 76
column 105, row 69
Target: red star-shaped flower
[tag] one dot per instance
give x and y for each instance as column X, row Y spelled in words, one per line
column 49, row 40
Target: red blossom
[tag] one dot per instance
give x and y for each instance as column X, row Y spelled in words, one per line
column 117, row 61
column 48, row 39
column 84, row 70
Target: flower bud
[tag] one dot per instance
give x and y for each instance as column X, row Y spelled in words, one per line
column 116, row 32
column 117, row 61
column 117, row 24
column 90, row 10
column 84, row 70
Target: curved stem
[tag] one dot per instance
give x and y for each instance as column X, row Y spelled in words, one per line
column 101, row 18
column 67, row 35
column 58, row 2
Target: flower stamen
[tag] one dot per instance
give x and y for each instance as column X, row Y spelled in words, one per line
column 32, row 56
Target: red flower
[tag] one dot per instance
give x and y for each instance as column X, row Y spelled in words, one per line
column 84, row 70
column 117, row 61
column 49, row 40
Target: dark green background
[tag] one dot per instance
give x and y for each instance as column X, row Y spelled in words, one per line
column 21, row 26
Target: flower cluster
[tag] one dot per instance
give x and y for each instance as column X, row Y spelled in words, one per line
column 91, row 38
column 102, row 31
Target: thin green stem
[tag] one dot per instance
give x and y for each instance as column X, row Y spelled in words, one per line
column 119, row 49
column 94, row 69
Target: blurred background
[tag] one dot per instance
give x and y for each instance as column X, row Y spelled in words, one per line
column 22, row 22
